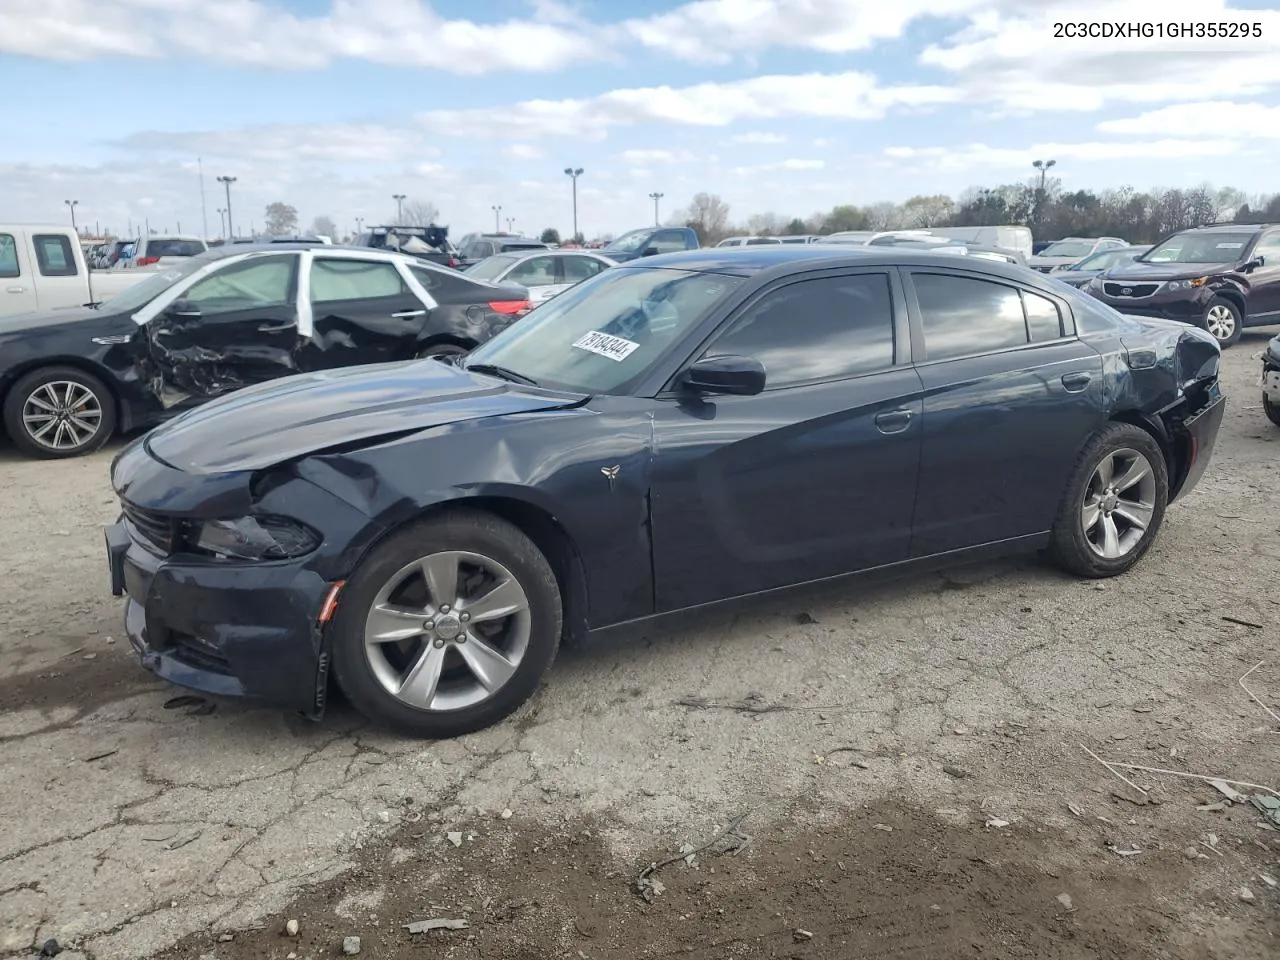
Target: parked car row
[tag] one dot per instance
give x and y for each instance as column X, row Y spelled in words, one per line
column 425, row 533
column 44, row 268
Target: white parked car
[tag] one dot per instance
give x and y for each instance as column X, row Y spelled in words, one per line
column 43, row 268
column 153, row 251
column 544, row 273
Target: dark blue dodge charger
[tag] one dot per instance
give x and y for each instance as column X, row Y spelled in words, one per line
column 697, row 428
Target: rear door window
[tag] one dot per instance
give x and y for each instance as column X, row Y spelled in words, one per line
column 54, row 256
column 963, row 316
column 343, row 280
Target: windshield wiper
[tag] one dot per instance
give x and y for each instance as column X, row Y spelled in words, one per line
column 503, row 372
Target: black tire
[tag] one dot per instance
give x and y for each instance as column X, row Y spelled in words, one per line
column 464, row 530
column 1237, row 321
column 1271, row 410
column 1069, row 547
column 23, row 437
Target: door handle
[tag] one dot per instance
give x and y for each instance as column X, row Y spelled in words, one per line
column 893, row 421
column 15, row 289
column 406, row 314
column 1075, row 382
column 275, row 326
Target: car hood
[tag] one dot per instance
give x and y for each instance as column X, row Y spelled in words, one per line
column 296, row 416
column 43, row 319
column 1136, row 271
column 619, row 255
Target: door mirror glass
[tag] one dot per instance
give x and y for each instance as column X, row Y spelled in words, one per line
column 1258, row 261
column 649, row 252
column 740, row 376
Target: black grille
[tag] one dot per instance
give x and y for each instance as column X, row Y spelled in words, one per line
column 153, row 529
column 196, row 653
column 1130, row 289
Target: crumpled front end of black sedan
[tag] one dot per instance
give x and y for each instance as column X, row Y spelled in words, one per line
column 230, row 606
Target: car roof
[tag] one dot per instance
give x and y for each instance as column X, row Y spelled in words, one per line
column 749, row 261
column 1228, row 228
column 319, row 249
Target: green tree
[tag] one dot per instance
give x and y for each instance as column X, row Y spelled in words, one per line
column 550, row 235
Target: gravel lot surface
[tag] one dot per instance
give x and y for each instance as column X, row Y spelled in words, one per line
column 911, row 757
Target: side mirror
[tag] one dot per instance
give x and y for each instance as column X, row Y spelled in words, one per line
column 183, row 310
column 649, row 252
column 739, row 376
column 1258, row 261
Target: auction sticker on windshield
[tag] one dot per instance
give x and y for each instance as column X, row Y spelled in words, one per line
column 606, row 345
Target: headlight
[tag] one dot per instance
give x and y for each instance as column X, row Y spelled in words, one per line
column 1171, row 285
column 254, row 538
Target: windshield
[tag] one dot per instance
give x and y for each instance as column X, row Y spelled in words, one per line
column 1193, row 247
column 1068, row 248
column 607, row 332
column 489, row 268
column 1105, row 259
column 629, row 242
column 140, row 294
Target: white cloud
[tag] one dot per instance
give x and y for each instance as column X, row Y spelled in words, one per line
column 290, row 143
column 658, row 156
column 980, row 157
column 793, row 164
column 820, row 142
column 1244, row 121
column 843, row 96
column 757, row 137
column 1008, row 54
column 715, row 31
column 524, row 151
column 253, row 32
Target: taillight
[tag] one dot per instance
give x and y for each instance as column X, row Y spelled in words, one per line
column 510, row 308
column 146, row 261
column 455, row 262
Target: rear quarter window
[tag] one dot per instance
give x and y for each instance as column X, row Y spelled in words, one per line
column 54, row 256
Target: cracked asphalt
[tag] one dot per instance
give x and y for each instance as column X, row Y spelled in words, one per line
column 131, row 826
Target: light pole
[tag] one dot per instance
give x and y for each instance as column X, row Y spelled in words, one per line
column 360, row 225
column 231, row 224
column 1043, row 166
column 222, row 222
column 71, row 205
column 511, row 224
column 497, row 216
column 574, row 173
column 655, row 197
column 399, row 198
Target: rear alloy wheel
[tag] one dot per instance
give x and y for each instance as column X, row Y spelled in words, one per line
column 1114, row 503
column 1222, row 319
column 59, row 412
column 448, row 627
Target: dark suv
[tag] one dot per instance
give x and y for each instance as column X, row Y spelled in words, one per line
column 1221, row 278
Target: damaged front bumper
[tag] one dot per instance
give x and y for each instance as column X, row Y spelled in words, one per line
column 235, row 630
column 1271, row 372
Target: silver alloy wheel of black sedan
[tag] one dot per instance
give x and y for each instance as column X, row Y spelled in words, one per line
column 62, row 415
column 1119, row 503
column 447, row 631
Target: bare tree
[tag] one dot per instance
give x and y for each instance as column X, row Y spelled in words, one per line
column 928, row 211
column 884, row 216
column 765, row 224
column 282, row 219
column 709, row 216
column 419, row 213
column 323, row 226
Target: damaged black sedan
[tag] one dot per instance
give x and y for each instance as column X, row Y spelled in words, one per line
column 691, row 430
column 232, row 317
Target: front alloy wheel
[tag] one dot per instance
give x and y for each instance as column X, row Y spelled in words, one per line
column 1223, row 320
column 447, row 626
column 447, row 631
column 59, row 412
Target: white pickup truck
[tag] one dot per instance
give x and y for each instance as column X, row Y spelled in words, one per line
column 43, row 268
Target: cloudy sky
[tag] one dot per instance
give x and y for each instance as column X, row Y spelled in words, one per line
column 789, row 106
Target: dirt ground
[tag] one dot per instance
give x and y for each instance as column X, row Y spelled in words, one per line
column 911, row 759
